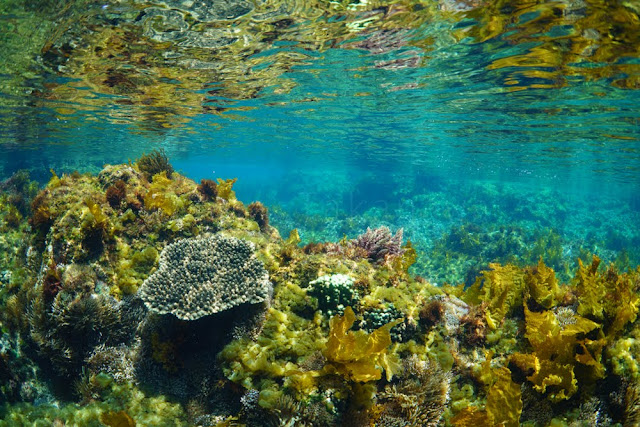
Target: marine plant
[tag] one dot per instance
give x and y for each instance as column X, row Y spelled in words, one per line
column 117, row 419
column 154, row 163
column 610, row 298
column 559, row 346
column 225, row 189
column 95, row 228
column 500, row 289
column 379, row 244
column 378, row 347
column 359, row 356
column 259, row 213
column 542, row 285
column 18, row 190
column 133, row 268
column 116, row 193
column 51, row 282
column 161, row 197
column 42, row 217
column 503, row 402
column 208, row 189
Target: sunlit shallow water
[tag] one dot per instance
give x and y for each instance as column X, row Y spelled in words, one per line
column 339, row 116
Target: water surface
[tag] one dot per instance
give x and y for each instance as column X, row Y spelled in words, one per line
column 445, row 118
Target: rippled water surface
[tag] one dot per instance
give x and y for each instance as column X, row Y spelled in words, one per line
column 489, row 130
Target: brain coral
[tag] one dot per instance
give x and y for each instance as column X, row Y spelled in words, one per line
column 201, row 276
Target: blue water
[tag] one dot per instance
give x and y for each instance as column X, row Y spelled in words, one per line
column 352, row 136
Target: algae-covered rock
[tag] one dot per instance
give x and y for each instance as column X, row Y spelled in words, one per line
column 263, row 331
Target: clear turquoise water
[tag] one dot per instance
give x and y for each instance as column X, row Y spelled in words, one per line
column 353, row 135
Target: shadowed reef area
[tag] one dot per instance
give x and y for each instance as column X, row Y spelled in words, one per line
column 140, row 297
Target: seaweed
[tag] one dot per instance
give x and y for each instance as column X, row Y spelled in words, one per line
column 590, row 290
column 95, row 228
column 542, row 285
column 225, row 189
column 154, row 163
column 41, row 217
column 259, row 213
column 504, row 400
column 559, row 346
column 500, row 290
column 116, row 193
column 160, row 197
column 410, row 354
column 208, row 189
column 117, row 419
column 359, row 356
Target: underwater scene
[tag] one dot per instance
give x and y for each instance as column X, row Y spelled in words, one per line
column 319, row 213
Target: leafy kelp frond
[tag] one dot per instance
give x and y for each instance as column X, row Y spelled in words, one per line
column 500, row 289
column 556, row 379
column 590, row 289
column 359, row 356
column 611, row 298
column 504, row 400
column 159, row 196
column 117, row 419
column 559, row 344
column 542, row 285
column 225, row 189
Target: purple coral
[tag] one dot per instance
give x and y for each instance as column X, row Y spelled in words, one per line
column 379, row 243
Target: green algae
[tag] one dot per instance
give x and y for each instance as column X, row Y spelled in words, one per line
column 144, row 409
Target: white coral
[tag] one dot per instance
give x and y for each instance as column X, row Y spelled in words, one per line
column 202, row 276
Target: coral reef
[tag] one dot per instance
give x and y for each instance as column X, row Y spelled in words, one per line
column 206, row 275
column 170, row 301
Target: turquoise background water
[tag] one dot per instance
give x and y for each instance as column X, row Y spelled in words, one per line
column 428, row 141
